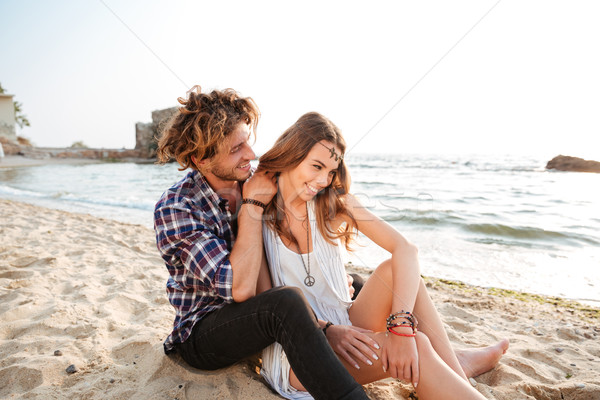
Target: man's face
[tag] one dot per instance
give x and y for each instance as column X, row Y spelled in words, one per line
column 232, row 163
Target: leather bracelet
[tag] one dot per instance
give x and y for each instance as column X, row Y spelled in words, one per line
column 255, row 203
column 327, row 325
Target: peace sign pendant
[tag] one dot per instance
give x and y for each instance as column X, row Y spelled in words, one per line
column 309, row 280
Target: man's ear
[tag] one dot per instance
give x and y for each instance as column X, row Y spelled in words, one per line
column 198, row 163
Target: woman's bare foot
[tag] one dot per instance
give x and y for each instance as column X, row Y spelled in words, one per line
column 477, row 361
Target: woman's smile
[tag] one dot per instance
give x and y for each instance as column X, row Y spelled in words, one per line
column 312, row 190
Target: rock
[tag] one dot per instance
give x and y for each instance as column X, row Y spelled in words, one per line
column 57, row 353
column 580, row 386
column 575, row 164
column 71, row 369
column 559, row 349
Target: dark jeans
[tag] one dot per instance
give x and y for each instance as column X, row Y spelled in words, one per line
column 280, row 315
column 357, row 283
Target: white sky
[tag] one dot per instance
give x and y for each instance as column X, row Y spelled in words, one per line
column 524, row 80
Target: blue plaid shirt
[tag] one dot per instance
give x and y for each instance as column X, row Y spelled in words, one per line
column 194, row 235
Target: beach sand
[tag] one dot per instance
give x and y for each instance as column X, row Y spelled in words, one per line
column 92, row 290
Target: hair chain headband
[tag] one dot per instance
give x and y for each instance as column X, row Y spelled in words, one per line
column 335, row 155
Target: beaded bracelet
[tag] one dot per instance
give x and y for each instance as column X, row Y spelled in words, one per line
column 255, row 202
column 411, row 322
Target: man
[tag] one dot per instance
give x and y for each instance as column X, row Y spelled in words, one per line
column 209, row 233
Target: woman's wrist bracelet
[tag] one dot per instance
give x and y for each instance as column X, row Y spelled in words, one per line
column 255, row 203
column 391, row 330
column 410, row 321
column 327, row 325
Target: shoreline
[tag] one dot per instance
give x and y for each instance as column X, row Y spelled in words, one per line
column 93, row 289
column 15, row 161
column 589, row 311
column 25, row 162
column 22, row 161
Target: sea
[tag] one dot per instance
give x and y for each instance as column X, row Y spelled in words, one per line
column 491, row 221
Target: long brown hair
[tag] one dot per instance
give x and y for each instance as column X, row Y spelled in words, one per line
column 287, row 153
column 200, row 126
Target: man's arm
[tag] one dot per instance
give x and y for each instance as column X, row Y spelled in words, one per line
column 264, row 276
column 247, row 254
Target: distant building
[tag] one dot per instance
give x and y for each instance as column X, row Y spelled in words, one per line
column 7, row 117
column 147, row 133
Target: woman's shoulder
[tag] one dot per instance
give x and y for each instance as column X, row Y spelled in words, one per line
column 350, row 203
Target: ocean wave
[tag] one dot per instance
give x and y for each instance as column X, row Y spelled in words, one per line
column 527, row 232
column 428, row 218
column 370, row 183
column 490, row 233
column 460, row 164
column 470, row 200
column 62, row 196
column 511, row 243
column 11, row 191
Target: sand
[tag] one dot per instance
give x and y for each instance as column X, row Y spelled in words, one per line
column 92, row 290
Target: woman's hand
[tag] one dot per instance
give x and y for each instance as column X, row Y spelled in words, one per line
column 352, row 343
column 400, row 358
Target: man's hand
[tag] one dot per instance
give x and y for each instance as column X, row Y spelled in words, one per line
column 352, row 344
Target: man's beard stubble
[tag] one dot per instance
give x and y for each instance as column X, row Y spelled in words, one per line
column 226, row 174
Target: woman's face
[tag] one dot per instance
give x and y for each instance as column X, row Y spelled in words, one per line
column 313, row 174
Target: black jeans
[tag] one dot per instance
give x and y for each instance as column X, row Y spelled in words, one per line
column 280, row 315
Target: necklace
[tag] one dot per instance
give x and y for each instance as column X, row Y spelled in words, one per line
column 309, row 280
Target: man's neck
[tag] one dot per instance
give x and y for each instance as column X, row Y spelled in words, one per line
column 228, row 190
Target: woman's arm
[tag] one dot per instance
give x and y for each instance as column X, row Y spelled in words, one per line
column 399, row 354
column 405, row 263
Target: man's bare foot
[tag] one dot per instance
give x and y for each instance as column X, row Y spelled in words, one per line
column 477, row 361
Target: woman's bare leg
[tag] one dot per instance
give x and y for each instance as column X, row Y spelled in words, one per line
column 437, row 380
column 372, row 307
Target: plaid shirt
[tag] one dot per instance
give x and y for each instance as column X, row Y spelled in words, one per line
column 194, row 235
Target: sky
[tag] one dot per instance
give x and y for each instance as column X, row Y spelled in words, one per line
column 439, row 77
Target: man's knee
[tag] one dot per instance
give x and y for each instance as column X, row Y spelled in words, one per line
column 287, row 299
column 288, row 295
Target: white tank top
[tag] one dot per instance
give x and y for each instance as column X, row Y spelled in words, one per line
column 329, row 296
column 294, row 273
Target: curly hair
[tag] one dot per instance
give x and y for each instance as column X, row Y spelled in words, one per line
column 287, row 153
column 199, row 128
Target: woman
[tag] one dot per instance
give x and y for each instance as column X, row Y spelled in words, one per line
column 392, row 328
